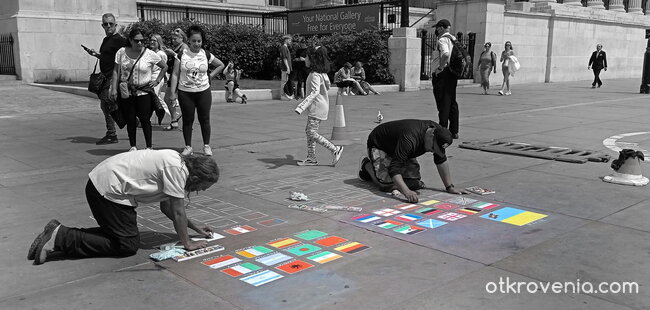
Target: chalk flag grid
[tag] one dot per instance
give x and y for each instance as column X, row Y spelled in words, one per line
column 440, row 209
column 261, row 264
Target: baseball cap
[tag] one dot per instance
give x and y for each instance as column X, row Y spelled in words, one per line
column 442, row 138
column 443, row 23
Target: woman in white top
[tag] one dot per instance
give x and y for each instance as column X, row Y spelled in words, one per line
column 178, row 41
column 134, row 67
column 116, row 187
column 318, row 104
column 505, row 59
column 191, row 77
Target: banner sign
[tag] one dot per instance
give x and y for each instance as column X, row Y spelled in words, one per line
column 341, row 19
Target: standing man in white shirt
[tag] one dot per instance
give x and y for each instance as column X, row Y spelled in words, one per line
column 116, row 187
column 444, row 82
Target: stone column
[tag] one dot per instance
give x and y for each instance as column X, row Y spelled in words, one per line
column 634, row 7
column 572, row 2
column 596, row 4
column 616, row 5
column 647, row 8
column 405, row 58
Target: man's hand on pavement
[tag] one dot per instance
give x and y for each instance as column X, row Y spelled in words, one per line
column 411, row 196
column 204, row 230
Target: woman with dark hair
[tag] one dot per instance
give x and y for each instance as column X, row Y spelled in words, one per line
column 190, row 77
column 318, row 104
column 232, row 74
column 134, row 73
column 178, row 40
column 505, row 69
column 344, row 81
column 116, row 187
column 486, row 63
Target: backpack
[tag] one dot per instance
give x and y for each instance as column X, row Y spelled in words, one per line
column 459, row 62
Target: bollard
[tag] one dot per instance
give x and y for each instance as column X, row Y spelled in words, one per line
column 339, row 133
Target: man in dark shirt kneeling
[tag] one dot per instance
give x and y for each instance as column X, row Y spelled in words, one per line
column 392, row 151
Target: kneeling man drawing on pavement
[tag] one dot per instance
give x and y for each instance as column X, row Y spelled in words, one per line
column 392, row 151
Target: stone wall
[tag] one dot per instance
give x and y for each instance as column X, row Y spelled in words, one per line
column 48, row 35
column 552, row 41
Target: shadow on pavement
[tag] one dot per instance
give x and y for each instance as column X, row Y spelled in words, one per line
column 81, row 139
column 104, row 152
column 279, row 162
column 151, row 239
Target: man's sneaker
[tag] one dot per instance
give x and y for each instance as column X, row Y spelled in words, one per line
column 133, row 149
column 45, row 244
column 243, row 99
column 187, row 151
column 32, row 249
column 107, row 140
column 363, row 174
column 337, row 155
column 308, row 162
column 207, row 150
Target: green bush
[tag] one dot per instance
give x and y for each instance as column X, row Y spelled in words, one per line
column 257, row 53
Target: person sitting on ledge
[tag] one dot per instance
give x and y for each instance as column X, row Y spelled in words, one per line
column 116, row 187
column 392, row 151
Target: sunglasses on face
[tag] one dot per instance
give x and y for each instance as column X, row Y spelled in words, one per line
column 108, row 24
column 138, row 40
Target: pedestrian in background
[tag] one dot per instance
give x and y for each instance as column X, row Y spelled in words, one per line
column 157, row 45
column 232, row 74
column 106, row 55
column 300, row 73
column 505, row 68
column 444, row 81
column 179, row 39
column 487, row 63
column 318, row 104
column 359, row 75
column 345, row 82
column 190, row 77
column 134, row 71
column 285, row 67
column 597, row 62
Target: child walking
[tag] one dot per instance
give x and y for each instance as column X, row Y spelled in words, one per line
column 317, row 103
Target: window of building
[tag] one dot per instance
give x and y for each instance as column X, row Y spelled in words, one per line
column 276, row 2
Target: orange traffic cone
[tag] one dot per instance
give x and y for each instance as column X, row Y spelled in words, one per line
column 339, row 133
column 627, row 169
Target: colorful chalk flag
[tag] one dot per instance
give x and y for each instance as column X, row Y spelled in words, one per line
column 388, row 224
column 431, row 223
column 484, row 205
column 428, row 211
column 324, row 257
column 366, row 218
column 408, row 217
column 240, row 229
column 451, row 216
column 254, row 251
column 271, row 222
column 447, row 206
column 294, row 266
column 429, row 202
column 514, row 216
column 283, row 243
column 303, row 249
column 352, row 247
column 311, row 234
column 409, row 230
column 261, row 278
column 406, row 206
column 330, row 241
column 273, row 259
column 469, row 210
column 387, row 212
column 242, row 269
column 221, row 261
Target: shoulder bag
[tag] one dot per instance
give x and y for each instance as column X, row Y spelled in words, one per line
column 126, row 88
column 96, row 81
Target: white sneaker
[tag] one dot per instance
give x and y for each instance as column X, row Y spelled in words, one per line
column 307, row 162
column 508, row 93
column 207, row 150
column 337, row 155
column 187, row 151
column 133, row 148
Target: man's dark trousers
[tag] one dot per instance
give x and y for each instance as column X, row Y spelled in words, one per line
column 597, row 77
column 117, row 234
column 444, row 91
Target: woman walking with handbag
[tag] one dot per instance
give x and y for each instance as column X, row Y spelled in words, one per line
column 191, row 77
column 486, row 63
column 505, row 60
column 134, row 71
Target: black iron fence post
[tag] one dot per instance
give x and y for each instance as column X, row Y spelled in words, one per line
column 7, row 64
column 404, row 22
column 423, row 55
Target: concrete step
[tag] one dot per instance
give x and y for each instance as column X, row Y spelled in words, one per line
column 9, row 80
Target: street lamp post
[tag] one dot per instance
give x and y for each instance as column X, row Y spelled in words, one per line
column 405, row 14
